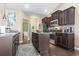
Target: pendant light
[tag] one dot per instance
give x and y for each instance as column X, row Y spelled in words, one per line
column 4, row 19
column 4, row 15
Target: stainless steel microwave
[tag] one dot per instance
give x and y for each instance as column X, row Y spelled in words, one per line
column 54, row 22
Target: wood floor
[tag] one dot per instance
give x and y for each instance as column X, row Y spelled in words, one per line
column 29, row 50
column 57, row 51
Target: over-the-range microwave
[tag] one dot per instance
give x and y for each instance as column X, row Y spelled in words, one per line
column 54, row 22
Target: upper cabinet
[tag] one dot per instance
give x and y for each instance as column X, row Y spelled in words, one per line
column 55, row 15
column 71, row 16
column 67, row 17
column 46, row 20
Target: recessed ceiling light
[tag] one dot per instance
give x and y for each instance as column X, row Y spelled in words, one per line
column 27, row 6
column 45, row 10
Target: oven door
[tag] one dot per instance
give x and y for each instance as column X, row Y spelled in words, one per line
column 52, row 38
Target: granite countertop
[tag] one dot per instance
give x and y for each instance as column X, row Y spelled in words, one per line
column 66, row 32
column 42, row 32
column 8, row 34
column 53, row 32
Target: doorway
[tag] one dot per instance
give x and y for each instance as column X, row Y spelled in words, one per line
column 26, row 31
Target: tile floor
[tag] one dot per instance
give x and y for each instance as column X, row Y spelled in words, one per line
column 26, row 50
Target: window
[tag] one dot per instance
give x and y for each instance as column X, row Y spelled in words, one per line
column 11, row 19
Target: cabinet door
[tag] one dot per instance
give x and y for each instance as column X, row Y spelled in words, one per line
column 53, row 16
column 59, row 40
column 71, row 16
column 48, row 22
column 60, row 19
column 64, row 40
column 65, row 17
column 71, row 41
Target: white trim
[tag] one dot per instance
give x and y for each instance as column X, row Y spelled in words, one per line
column 76, row 48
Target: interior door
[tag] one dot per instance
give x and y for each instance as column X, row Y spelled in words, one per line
column 26, row 32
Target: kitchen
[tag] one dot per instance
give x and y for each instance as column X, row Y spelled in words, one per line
column 59, row 29
column 53, row 34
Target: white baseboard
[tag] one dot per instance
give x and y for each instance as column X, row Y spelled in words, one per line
column 76, row 48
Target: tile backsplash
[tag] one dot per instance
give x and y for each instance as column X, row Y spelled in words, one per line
column 67, row 28
column 63, row 29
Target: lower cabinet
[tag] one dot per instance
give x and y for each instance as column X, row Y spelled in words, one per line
column 65, row 40
column 15, row 44
column 58, row 40
column 35, row 41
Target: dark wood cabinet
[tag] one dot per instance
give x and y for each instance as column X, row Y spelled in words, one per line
column 67, row 16
column 61, row 20
column 41, row 43
column 65, row 40
column 70, row 38
column 71, row 15
column 15, row 44
column 46, row 23
column 35, row 40
column 55, row 15
column 46, row 20
column 58, row 39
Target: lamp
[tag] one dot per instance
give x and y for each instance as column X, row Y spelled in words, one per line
column 4, row 16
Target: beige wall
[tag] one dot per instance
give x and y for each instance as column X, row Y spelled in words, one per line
column 35, row 22
column 20, row 15
column 19, row 19
column 19, row 22
column 66, row 5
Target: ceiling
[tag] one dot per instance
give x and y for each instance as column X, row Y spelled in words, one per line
column 42, row 9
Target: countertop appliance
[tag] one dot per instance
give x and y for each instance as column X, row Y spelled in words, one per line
column 54, row 22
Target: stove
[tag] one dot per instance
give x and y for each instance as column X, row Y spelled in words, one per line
column 52, row 37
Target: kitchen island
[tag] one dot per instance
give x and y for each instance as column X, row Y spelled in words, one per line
column 9, row 43
column 41, row 42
